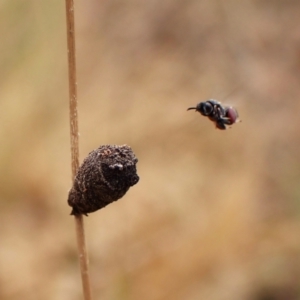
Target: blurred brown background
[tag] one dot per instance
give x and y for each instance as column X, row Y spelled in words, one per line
column 216, row 215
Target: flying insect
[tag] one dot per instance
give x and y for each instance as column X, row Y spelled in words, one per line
column 221, row 115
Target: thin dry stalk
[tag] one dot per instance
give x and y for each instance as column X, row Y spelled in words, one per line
column 83, row 259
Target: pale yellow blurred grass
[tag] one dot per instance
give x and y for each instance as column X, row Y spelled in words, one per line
column 215, row 214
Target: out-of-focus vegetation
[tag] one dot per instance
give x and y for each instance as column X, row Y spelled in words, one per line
column 216, row 215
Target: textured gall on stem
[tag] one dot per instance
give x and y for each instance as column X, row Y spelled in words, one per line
column 104, row 177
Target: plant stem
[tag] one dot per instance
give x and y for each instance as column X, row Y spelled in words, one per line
column 79, row 224
column 83, row 258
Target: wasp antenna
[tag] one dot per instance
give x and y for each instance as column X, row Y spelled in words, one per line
column 192, row 108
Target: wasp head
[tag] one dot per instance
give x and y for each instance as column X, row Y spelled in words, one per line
column 204, row 108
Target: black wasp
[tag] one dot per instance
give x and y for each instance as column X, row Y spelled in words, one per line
column 217, row 113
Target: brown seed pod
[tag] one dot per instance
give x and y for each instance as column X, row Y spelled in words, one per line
column 104, row 177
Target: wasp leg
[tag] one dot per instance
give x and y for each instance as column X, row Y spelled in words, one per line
column 226, row 121
column 220, row 124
